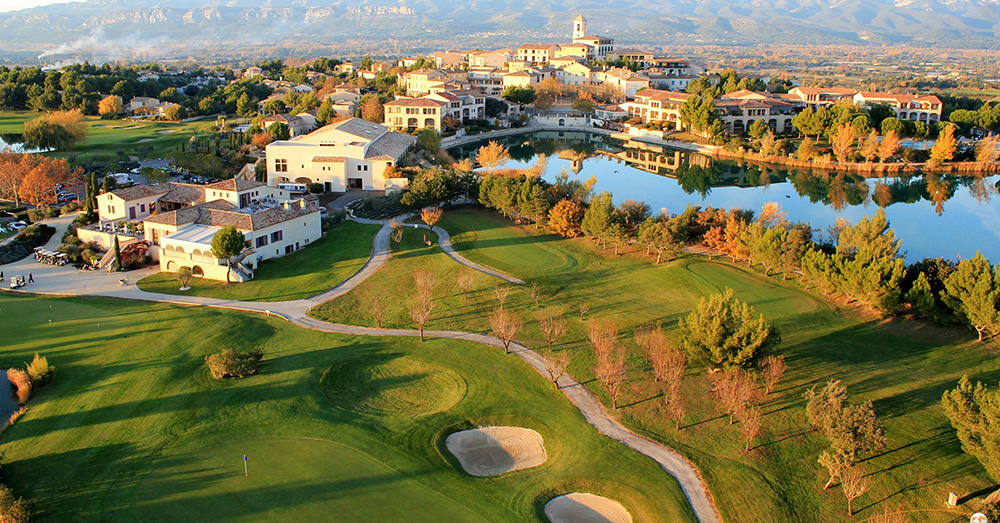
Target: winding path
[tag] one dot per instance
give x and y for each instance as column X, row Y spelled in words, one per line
column 67, row 281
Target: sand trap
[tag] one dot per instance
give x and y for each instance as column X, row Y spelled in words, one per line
column 144, row 140
column 489, row 451
column 167, row 131
column 580, row 507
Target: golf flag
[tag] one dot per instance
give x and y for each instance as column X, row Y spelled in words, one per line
column 245, row 471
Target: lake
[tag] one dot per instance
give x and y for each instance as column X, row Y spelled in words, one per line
column 934, row 215
column 13, row 142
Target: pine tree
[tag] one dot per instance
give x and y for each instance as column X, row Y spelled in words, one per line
column 973, row 291
column 724, row 332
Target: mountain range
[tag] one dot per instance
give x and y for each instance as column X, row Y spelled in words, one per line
column 108, row 29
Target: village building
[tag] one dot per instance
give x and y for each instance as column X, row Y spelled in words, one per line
column 600, row 45
column 913, row 107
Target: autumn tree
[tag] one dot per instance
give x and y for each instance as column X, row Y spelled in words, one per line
column 988, row 149
column 734, row 389
column 603, row 337
column 492, row 155
column 943, row 149
column 535, row 293
column 425, row 280
column 372, row 109
column 262, row 139
column 431, row 215
column 420, row 313
column 843, row 142
column 771, row 371
column 750, row 424
column 869, row 147
column 505, row 325
column 724, row 332
column 38, row 186
column 551, row 324
column 110, row 106
column 888, row 146
column 565, row 218
column 57, row 130
column 854, row 484
column 13, row 167
column 397, row 231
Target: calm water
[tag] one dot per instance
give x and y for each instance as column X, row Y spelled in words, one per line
column 945, row 216
column 12, row 141
column 8, row 402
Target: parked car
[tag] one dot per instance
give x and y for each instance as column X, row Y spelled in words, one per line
column 323, row 211
column 67, row 197
column 17, row 225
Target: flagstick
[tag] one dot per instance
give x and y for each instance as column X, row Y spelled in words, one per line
column 245, row 471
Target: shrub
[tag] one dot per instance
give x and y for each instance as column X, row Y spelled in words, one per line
column 234, row 364
column 22, row 382
column 315, row 188
column 40, row 371
column 12, row 508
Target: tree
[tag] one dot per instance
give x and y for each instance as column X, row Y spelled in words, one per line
column 734, row 390
column 495, row 108
column 244, row 107
column 723, row 332
column 519, row 95
column 988, row 149
column 175, row 113
column 850, row 429
column 12, row 508
column 843, row 143
column 921, row 297
column 377, row 309
column 431, row 215
column 758, row 129
column 974, row 411
column 584, row 103
column 888, row 146
column 973, row 291
column 506, row 325
column 372, row 109
column 565, row 218
column 750, row 424
column 38, row 186
column 771, row 371
column 428, row 139
column 869, row 147
column 110, row 106
column 262, row 139
column 555, row 366
column 943, row 149
column 854, row 483
column 552, row 326
column 492, row 155
column 501, row 292
column 465, row 280
column 610, row 372
column 806, row 151
column 13, row 168
column 420, row 313
column 58, row 130
column 226, row 243
column 118, row 256
column 599, row 217
column 183, row 274
column 397, row 231
column 279, row 130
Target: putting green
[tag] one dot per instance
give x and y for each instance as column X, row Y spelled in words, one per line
column 290, row 479
column 390, row 384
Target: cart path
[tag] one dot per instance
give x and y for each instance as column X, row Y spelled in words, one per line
column 67, row 281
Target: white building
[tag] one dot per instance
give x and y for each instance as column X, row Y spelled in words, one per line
column 601, row 45
column 352, row 153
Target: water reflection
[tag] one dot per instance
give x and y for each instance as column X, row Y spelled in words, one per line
column 935, row 215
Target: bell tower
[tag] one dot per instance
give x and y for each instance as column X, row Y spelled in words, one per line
column 579, row 27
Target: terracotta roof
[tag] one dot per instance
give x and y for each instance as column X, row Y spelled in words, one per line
column 547, row 47
column 139, row 191
column 663, row 96
column 826, row 90
column 415, row 102
column 184, row 194
column 233, row 184
column 189, row 214
column 218, row 214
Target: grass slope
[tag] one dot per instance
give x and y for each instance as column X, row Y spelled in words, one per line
column 902, row 367
column 318, row 267
column 106, row 137
column 133, row 427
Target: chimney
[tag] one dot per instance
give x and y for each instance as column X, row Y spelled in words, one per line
column 286, row 205
column 302, row 203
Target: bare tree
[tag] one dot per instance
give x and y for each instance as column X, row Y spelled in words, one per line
column 750, row 423
column 603, row 336
column 465, row 280
column 502, row 291
column 734, row 389
column 610, row 371
column 556, row 365
column 506, row 325
column 552, row 326
column 425, row 280
column 377, row 308
column 420, row 313
column 672, row 403
column 890, row 514
column 583, row 310
column 854, row 484
column 431, row 215
column 397, row 231
column 771, row 371
column 533, row 290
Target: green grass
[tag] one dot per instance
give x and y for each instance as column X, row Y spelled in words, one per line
column 310, row 271
column 106, row 137
column 902, row 367
column 133, row 427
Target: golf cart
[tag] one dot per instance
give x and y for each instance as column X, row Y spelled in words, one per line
column 17, row 282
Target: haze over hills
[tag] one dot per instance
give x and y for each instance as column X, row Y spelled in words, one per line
column 103, row 29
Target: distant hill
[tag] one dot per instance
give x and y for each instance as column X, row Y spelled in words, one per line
column 119, row 28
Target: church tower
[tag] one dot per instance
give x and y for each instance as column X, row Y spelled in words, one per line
column 579, row 27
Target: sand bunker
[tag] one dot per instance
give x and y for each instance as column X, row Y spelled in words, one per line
column 580, row 507
column 144, row 140
column 167, row 131
column 489, row 451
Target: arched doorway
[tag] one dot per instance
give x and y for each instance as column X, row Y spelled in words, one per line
column 197, row 271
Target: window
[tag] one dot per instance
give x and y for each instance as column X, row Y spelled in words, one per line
column 276, row 236
column 289, row 249
column 142, row 207
column 281, row 165
column 261, row 241
column 366, row 167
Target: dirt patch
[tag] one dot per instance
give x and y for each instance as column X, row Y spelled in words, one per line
column 580, row 507
column 489, row 451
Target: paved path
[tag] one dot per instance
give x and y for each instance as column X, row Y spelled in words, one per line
column 69, row 281
column 444, row 240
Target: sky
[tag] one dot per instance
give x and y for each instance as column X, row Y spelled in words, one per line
column 14, row 5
